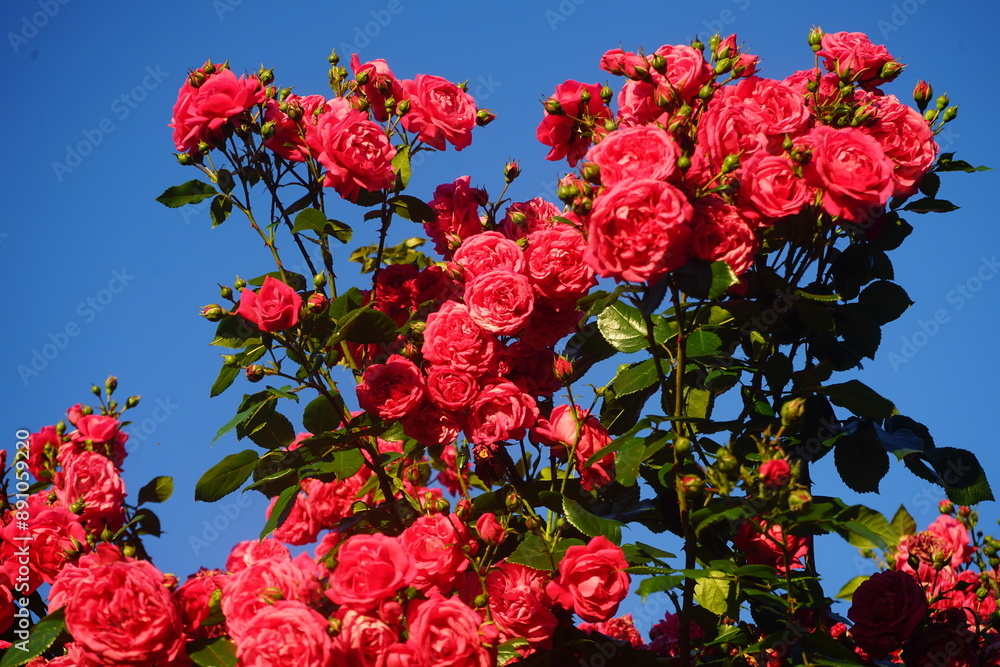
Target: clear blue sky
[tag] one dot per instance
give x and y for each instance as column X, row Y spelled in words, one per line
column 111, row 281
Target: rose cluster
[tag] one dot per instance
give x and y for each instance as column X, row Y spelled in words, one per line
column 689, row 167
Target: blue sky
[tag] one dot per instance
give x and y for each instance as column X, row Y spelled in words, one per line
column 102, row 279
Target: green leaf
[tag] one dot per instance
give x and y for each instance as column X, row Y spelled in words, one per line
column 412, row 208
column 275, row 432
column 712, row 593
column 401, row 165
column 282, row 508
column 220, row 209
column 225, row 476
column 847, row 591
column 340, row 230
column 893, row 234
column 310, row 219
column 861, row 460
column 366, row 326
column 962, row 475
column 533, row 553
column 321, row 416
column 930, row 184
column 859, row 398
column 705, row 280
column 877, row 524
column 229, row 373
column 251, row 403
column 697, row 402
column 619, row 414
column 659, row 584
column 158, row 490
column 947, row 163
column 903, row 522
column 885, row 301
column 42, row 637
column 216, row 652
column 702, row 344
column 191, row 192
column 634, row 377
column 508, row 651
column 344, row 465
column 234, row 331
column 623, row 327
column 589, row 524
column 929, row 205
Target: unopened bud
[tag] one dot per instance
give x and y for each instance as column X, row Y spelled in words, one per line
column 511, row 171
column 698, row 45
column 706, row 91
column 95, row 390
column 553, row 107
column 659, row 63
column 480, row 601
column 484, row 117
column 132, row 401
column 890, row 70
column 402, row 107
column 799, row 499
column 185, row 159
column 111, row 384
column 946, row 507
column 213, row 312
column 942, row 102
column 684, row 162
column 319, row 280
column 562, row 368
column 566, row 193
column 362, row 77
column 714, row 41
column 204, row 147
column 463, row 510
column 723, row 65
column 266, row 76
column 512, row 501
column 255, row 373
column 691, row 484
column 333, row 58
column 816, row 39
column 591, row 172
column 949, row 114
column 730, row 163
column 267, row 130
column 964, row 511
column 793, row 411
column 196, row 78
column 239, row 283
column 607, row 94
column 532, row 523
column 922, row 94
column 317, row 302
column 682, row 447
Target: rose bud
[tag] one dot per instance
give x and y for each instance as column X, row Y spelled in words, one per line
column 255, row 373
column 484, row 117
column 922, row 94
column 775, row 473
column 793, row 411
column 213, row 312
column 511, row 171
column 949, row 114
column 799, row 499
column 946, row 507
column 317, row 302
column 890, row 70
column 816, row 39
column 489, row 529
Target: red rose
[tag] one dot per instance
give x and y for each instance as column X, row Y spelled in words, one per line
column 665, row 636
column 572, row 427
column 53, row 532
column 43, row 447
column 262, row 584
column 120, row 612
column 355, row 151
column 451, row 389
column 370, row 569
column 457, row 208
column 571, row 130
column 721, row 232
column 489, row 529
column 439, row 111
column 851, row 169
column 391, row 390
column 244, row 554
column 947, row 641
column 519, row 605
column 549, row 324
column 645, row 151
column 687, row 72
column 853, row 54
column 299, row 527
column 954, row 537
column 621, row 628
column 592, row 580
column 770, row 189
column 731, row 126
column 275, row 307
column 906, row 139
column 886, row 609
column 201, row 113
column 486, row 252
column 500, row 301
column 639, row 229
column 381, row 85
column 781, row 107
column 363, row 639
column 430, row 425
column 766, row 544
column 435, row 544
column 501, row 411
column 92, row 480
column 453, row 339
column 555, row 264
column 775, row 473
column 525, row 217
column 193, row 600
column 529, row 367
column 446, row 632
column 288, row 140
column 286, row 633
column 621, row 63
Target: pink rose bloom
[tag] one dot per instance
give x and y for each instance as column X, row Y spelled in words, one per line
column 244, row 554
column 645, row 151
column 43, row 448
column 486, row 252
column 530, row 368
column 781, row 107
column 639, row 229
column 501, row 411
column 329, row 502
column 500, row 301
column 592, row 580
column 573, row 428
column 453, row 338
column 523, row 218
column 549, row 324
column 446, row 633
column 201, row 113
column 92, row 479
column 665, row 636
column 286, row 633
column 74, row 413
column 770, row 189
column 273, row 308
column 120, row 612
column 193, row 598
column 519, row 605
column 767, row 545
column 564, row 132
column 687, row 72
column 622, row 63
column 363, row 639
column 731, row 126
column 457, row 208
column 381, row 85
column 98, row 428
column 775, row 473
column 53, row 531
column 430, row 425
column 556, row 266
column 621, row 628
column 955, row 538
column 355, row 151
column 829, row 87
column 104, row 435
column 721, row 232
column 489, row 529
column 292, row 138
column 853, row 53
column 886, row 610
column 370, row 569
column 906, row 139
column 451, row 389
column 391, row 390
column 262, row 584
column 440, row 111
column 299, row 526
column 435, row 544
column 851, row 169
